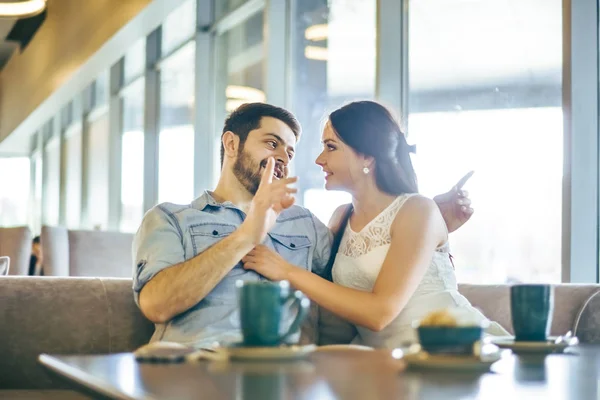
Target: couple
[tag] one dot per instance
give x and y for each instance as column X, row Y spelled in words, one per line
column 382, row 263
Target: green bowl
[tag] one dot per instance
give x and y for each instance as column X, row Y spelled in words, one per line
column 449, row 339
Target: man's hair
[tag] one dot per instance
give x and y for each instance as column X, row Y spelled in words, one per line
column 36, row 240
column 247, row 117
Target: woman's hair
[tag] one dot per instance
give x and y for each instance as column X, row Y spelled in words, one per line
column 371, row 130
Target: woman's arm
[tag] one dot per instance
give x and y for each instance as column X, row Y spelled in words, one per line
column 416, row 232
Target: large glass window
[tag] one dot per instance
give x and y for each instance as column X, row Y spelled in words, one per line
column 176, row 140
column 222, row 7
column 132, row 159
column 73, row 176
column 179, row 26
column 334, row 55
column 14, row 195
column 51, row 185
column 135, row 61
column 98, row 159
column 35, row 216
column 241, row 62
column 485, row 95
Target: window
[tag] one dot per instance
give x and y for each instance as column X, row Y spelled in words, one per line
column 73, row 176
column 51, row 185
column 179, row 26
column 222, row 7
column 334, row 53
column 98, row 159
column 176, row 140
column 240, row 78
column 486, row 95
column 14, row 198
column 135, row 61
column 132, row 157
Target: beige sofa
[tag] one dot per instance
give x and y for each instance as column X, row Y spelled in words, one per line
column 86, row 253
column 72, row 315
column 16, row 244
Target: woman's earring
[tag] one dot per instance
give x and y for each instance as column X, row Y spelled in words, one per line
column 366, row 170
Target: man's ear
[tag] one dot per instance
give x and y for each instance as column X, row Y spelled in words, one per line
column 231, row 143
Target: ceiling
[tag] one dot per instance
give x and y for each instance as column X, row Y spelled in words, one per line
column 6, row 47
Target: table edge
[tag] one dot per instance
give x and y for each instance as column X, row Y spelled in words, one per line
column 81, row 378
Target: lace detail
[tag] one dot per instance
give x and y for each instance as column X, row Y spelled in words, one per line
column 375, row 234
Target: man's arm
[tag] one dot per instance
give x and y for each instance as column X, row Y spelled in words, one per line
column 177, row 288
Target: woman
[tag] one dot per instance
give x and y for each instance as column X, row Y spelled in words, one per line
column 390, row 263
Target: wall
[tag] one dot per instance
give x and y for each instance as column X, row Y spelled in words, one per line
column 73, row 31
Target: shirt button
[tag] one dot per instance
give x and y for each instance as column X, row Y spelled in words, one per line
column 292, row 245
column 215, row 233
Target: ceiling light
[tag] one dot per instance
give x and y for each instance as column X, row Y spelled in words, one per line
column 317, row 32
column 21, row 9
column 246, row 93
column 316, row 53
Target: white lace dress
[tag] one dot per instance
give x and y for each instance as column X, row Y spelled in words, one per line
column 357, row 265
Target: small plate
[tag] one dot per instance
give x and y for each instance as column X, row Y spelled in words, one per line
column 462, row 363
column 545, row 347
column 344, row 347
column 237, row 351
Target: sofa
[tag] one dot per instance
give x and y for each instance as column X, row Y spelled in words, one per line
column 86, row 253
column 78, row 315
column 15, row 243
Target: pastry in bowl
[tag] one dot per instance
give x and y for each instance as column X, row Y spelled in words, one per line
column 447, row 331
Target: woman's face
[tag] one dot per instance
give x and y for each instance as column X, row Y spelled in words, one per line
column 342, row 166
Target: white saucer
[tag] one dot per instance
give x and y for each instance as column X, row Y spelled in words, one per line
column 462, row 363
column 237, row 351
column 344, row 347
column 545, row 347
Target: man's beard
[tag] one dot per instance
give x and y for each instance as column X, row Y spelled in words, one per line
column 248, row 171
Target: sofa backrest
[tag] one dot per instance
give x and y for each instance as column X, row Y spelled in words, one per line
column 100, row 253
column 494, row 302
column 63, row 316
column 86, row 253
column 16, row 244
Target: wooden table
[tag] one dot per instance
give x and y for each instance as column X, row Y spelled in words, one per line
column 331, row 375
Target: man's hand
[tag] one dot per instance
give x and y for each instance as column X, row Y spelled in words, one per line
column 267, row 263
column 455, row 205
column 270, row 200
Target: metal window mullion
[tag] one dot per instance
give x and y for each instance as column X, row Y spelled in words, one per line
column 151, row 120
column 205, row 132
column 276, row 51
column 115, row 119
column 580, row 112
column 391, row 85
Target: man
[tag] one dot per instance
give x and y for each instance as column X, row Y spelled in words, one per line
column 36, row 259
column 187, row 257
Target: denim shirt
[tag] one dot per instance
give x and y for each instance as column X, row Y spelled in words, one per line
column 170, row 234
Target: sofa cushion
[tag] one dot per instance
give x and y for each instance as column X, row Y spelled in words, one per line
column 494, row 302
column 587, row 324
column 96, row 253
column 63, row 316
column 16, row 244
column 55, row 247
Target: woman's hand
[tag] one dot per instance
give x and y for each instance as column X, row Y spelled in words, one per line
column 267, row 263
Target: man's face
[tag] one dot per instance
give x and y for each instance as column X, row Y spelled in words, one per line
column 272, row 139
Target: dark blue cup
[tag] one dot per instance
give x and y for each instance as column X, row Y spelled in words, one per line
column 532, row 307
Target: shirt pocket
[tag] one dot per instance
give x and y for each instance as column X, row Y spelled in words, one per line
column 295, row 249
column 206, row 235
column 203, row 237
